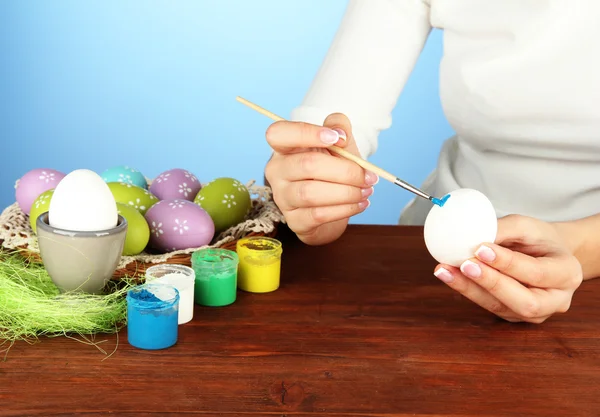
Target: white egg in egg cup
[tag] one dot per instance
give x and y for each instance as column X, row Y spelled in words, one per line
column 80, row 261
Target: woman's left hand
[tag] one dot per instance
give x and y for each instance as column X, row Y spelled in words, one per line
column 527, row 275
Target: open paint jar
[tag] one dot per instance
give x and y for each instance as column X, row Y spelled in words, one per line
column 216, row 276
column 260, row 264
column 180, row 277
column 152, row 312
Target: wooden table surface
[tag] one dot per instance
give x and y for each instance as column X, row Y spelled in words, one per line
column 359, row 327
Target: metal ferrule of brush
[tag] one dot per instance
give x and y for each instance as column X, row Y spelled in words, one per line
column 412, row 189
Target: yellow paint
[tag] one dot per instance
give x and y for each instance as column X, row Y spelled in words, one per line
column 260, row 264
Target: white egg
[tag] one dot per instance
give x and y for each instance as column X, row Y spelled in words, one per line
column 454, row 231
column 82, row 201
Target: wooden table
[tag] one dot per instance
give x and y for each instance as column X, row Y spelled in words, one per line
column 358, row 327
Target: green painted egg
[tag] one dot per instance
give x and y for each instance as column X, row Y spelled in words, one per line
column 132, row 195
column 39, row 206
column 226, row 200
column 138, row 231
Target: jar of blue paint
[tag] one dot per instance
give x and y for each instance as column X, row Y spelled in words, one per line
column 152, row 312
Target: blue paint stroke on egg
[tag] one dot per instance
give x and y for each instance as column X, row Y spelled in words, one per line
column 442, row 201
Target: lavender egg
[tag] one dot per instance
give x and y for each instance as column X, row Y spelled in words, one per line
column 177, row 224
column 175, row 183
column 34, row 183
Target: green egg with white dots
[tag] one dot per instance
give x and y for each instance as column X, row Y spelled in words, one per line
column 226, row 200
column 39, row 206
column 132, row 195
column 138, row 231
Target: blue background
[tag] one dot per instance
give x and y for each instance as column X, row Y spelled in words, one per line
column 152, row 84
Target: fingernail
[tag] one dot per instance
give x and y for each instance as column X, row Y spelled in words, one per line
column 342, row 134
column 329, row 137
column 371, row 178
column 485, row 254
column 366, row 192
column 444, row 275
column 364, row 204
column 470, row 269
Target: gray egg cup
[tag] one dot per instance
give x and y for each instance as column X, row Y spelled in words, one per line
column 80, row 261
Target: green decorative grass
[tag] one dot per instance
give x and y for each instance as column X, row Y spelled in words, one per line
column 31, row 306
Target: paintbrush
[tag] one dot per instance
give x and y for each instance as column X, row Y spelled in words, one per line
column 365, row 164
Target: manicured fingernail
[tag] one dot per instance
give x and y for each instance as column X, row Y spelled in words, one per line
column 371, row 178
column 366, row 192
column 485, row 254
column 342, row 134
column 329, row 137
column 444, row 275
column 470, row 269
column 364, row 204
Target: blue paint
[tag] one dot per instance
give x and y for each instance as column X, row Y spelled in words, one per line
column 442, row 201
column 152, row 312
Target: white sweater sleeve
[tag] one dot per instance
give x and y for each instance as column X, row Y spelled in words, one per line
column 367, row 65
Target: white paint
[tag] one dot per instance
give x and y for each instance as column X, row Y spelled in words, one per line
column 454, row 231
column 162, row 292
column 185, row 285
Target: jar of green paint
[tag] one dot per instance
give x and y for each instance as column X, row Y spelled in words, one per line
column 216, row 276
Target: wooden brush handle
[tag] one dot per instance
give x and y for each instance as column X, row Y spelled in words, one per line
column 365, row 164
column 336, row 149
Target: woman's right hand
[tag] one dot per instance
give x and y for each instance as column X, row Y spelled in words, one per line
column 316, row 190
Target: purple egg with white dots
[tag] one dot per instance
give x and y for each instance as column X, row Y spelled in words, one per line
column 177, row 224
column 175, row 183
column 34, row 183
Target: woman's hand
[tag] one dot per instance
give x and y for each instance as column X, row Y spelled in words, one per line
column 528, row 275
column 316, row 191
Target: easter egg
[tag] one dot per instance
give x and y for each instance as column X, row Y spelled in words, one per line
column 226, row 200
column 82, row 202
column 34, row 183
column 132, row 195
column 39, row 206
column 179, row 224
column 175, row 183
column 125, row 174
column 138, row 232
column 454, row 231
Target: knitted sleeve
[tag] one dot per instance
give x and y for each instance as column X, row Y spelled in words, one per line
column 367, row 65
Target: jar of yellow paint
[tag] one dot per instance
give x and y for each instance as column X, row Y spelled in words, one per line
column 259, row 264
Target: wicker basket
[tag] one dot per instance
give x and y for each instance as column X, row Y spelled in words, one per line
column 262, row 220
column 138, row 268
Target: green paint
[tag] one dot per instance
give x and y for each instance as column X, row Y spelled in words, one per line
column 216, row 277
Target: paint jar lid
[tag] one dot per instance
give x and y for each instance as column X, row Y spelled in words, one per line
column 153, row 296
column 214, row 260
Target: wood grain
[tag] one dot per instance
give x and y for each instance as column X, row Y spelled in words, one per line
column 372, row 333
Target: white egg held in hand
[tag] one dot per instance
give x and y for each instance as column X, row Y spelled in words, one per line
column 454, row 231
column 83, row 202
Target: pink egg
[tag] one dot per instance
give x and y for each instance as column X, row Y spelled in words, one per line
column 175, row 183
column 34, row 183
column 179, row 224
